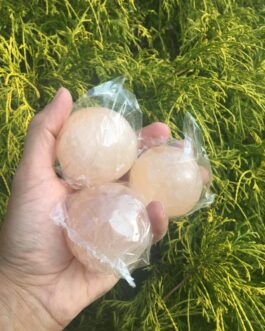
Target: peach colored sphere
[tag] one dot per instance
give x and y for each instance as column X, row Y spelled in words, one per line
column 96, row 145
column 164, row 173
column 110, row 221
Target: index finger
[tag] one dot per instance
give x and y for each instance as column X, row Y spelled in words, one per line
column 152, row 134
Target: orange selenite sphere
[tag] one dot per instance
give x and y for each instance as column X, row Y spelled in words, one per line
column 95, row 146
column 108, row 229
column 164, row 173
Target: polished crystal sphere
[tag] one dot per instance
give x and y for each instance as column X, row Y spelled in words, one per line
column 108, row 229
column 170, row 175
column 96, row 145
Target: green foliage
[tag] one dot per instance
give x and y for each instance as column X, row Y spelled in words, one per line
column 202, row 56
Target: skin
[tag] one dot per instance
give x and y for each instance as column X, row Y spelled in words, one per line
column 42, row 285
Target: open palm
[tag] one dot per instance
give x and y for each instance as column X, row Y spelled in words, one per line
column 33, row 251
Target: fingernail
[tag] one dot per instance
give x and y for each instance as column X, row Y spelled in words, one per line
column 163, row 211
column 205, row 175
column 58, row 93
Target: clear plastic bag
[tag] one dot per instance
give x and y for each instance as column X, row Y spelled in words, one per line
column 105, row 223
column 107, row 229
column 98, row 143
column 113, row 95
column 175, row 172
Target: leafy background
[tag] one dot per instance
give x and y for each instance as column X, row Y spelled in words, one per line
column 202, row 56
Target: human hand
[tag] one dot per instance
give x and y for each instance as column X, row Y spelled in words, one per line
column 42, row 285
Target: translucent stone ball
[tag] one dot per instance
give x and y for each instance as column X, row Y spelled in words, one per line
column 164, row 173
column 96, row 145
column 109, row 229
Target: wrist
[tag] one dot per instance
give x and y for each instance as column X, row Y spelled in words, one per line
column 20, row 310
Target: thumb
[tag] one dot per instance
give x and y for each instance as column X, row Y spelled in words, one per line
column 39, row 150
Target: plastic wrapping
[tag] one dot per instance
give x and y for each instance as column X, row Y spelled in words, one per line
column 113, row 95
column 98, row 143
column 107, row 229
column 175, row 172
column 105, row 223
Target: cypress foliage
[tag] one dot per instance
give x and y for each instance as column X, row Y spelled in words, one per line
column 202, row 56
